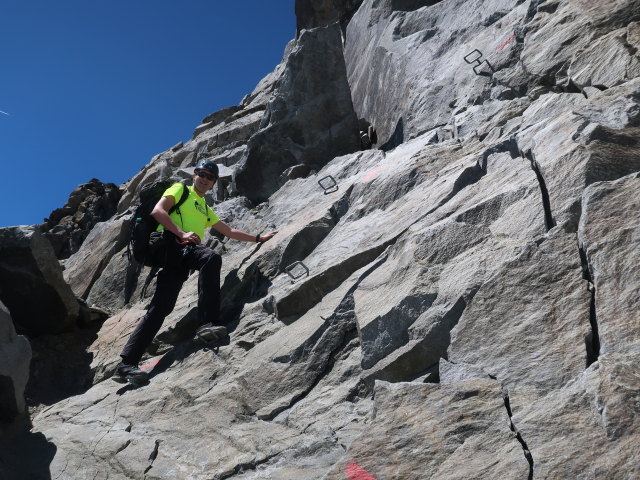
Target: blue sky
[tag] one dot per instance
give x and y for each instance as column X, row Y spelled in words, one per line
column 95, row 88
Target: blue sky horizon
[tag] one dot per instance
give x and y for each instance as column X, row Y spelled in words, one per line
column 96, row 89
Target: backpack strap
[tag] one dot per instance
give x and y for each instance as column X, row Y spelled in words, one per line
column 183, row 198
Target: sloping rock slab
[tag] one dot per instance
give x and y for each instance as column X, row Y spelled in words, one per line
column 84, row 267
column 527, row 325
column 590, row 428
column 610, row 239
column 426, row 431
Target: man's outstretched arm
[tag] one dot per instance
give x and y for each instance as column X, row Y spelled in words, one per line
column 227, row 231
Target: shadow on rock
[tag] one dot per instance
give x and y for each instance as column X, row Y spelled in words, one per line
column 25, row 454
column 175, row 355
column 60, row 366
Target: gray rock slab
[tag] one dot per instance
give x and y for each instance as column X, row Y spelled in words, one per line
column 31, row 283
column 586, row 140
column 567, row 32
column 285, row 366
column 606, row 62
column 135, row 435
column 113, row 335
column 459, row 372
column 528, row 324
column 406, row 63
column 429, row 431
column 85, row 266
column 588, row 429
column 108, row 291
column 609, row 236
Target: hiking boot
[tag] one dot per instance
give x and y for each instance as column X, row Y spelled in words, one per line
column 129, row 373
column 210, row 333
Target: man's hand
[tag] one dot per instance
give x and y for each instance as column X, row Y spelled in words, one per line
column 267, row 236
column 188, row 237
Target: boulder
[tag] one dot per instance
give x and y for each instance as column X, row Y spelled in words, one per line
column 31, row 283
column 309, row 119
column 15, row 355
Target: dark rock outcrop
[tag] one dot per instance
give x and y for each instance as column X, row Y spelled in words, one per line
column 309, row 119
column 313, row 13
column 90, row 203
column 31, row 283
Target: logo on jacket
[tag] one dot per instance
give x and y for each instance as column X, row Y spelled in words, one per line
column 200, row 208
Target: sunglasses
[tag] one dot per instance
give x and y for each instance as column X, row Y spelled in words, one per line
column 204, row 174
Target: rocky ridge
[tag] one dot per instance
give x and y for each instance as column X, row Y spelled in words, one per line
column 467, row 302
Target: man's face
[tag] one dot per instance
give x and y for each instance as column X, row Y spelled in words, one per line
column 203, row 180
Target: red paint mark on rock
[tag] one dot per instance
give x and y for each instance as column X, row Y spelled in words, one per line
column 356, row 472
column 150, row 365
column 372, row 174
column 507, row 41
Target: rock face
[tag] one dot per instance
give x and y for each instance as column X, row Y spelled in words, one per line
column 90, row 203
column 461, row 302
column 31, row 283
column 309, row 119
column 15, row 355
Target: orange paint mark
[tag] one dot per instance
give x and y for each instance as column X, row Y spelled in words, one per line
column 356, row 472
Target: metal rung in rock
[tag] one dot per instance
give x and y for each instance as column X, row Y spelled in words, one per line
column 331, row 187
column 294, row 277
column 477, row 56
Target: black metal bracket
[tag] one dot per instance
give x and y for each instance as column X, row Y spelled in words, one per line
column 331, row 187
column 477, row 60
column 290, row 268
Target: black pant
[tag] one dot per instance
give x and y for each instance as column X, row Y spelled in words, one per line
column 177, row 260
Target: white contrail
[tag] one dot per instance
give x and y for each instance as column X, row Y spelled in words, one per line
column 7, row 114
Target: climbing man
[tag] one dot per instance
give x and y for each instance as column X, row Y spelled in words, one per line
column 178, row 250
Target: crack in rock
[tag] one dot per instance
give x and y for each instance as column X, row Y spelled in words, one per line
column 243, row 467
column 153, row 456
column 64, row 420
column 546, row 202
column 525, row 447
column 592, row 341
column 127, row 443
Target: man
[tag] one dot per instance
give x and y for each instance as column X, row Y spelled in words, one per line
column 178, row 250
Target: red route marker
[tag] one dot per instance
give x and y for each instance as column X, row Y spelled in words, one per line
column 507, row 41
column 372, row 174
column 150, row 365
column 356, row 472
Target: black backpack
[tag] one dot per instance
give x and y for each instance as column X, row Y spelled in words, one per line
column 143, row 224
